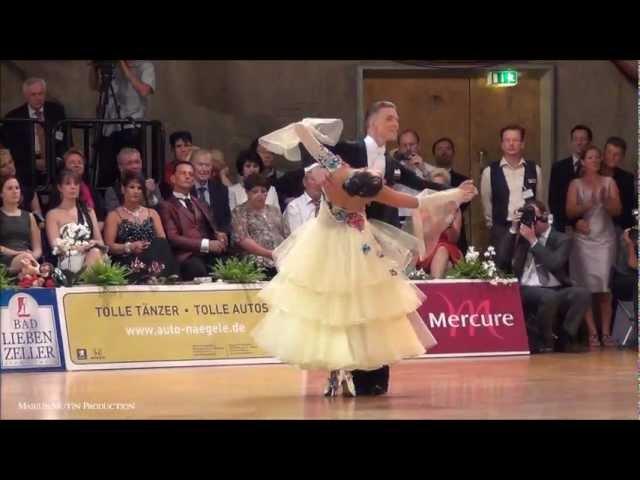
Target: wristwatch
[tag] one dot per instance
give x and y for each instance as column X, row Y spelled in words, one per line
column 127, row 247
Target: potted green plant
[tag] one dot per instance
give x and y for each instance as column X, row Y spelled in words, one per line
column 237, row 270
column 105, row 273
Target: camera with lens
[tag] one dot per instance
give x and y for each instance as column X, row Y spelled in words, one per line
column 528, row 215
column 402, row 157
column 105, row 65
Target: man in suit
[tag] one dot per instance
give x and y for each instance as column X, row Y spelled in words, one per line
column 190, row 229
column 382, row 123
column 562, row 173
column 614, row 151
column 212, row 192
column 18, row 136
column 443, row 151
column 538, row 255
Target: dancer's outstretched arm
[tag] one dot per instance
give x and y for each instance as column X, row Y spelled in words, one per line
column 319, row 152
column 462, row 194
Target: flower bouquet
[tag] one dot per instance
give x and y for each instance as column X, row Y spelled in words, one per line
column 472, row 266
column 68, row 247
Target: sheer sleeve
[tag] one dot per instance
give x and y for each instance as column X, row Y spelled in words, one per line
column 433, row 217
column 285, row 141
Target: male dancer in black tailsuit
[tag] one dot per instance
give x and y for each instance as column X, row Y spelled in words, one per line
column 382, row 124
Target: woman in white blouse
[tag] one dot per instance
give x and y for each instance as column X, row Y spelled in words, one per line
column 246, row 164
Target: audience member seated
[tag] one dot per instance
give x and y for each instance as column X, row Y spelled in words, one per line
column 552, row 303
column 19, row 233
column 75, row 161
column 594, row 199
column 29, row 200
column 287, row 186
column 72, row 219
column 614, row 151
column 211, row 191
column 446, row 253
column 134, row 232
column 17, row 135
column 258, row 228
column 129, row 160
column 247, row 164
column 306, row 206
column 269, row 171
column 195, row 239
column 181, row 144
column 220, row 171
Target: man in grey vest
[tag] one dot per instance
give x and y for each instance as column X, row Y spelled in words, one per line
column 507, row 184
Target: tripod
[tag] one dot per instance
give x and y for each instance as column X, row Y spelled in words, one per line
column 105, row 91
column 106, row 87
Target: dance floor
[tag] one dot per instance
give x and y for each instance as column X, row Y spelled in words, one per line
column 600, row 384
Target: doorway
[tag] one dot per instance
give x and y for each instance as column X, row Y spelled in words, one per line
column 460, row 105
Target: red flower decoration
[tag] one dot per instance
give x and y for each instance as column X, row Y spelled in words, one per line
column 26, row 281
column 356, row 220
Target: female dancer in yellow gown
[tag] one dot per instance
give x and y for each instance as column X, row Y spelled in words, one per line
column 340, row 300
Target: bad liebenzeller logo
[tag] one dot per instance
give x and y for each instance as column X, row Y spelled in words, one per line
column 27, row 334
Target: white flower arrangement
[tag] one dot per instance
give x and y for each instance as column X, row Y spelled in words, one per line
column 418, row 275
column 73, row 236
column 473, row 267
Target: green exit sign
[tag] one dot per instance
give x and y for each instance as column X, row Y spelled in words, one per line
column 502, row 78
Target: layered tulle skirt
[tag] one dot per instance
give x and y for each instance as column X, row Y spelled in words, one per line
column 340, row 299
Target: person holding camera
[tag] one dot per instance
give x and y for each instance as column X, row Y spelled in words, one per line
column 538, row 255
column 130, row 83
column 409, row 156
column 505, row 185
column 595, row 199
